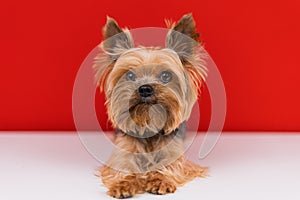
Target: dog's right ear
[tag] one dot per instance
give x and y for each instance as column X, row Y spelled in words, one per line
column 116, row 40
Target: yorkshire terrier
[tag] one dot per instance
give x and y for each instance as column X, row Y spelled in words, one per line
column 150, row 92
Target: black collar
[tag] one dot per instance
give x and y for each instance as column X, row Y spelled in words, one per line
column 179, row 132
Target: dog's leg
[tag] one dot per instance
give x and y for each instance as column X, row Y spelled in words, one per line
column 158, row 183
column 182, row 171
column 120, row 185
column 175, row 174
column 120, row 174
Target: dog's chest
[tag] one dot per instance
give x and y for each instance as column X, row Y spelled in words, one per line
column 158, row 152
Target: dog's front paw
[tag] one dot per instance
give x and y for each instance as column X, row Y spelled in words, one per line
column 122, row 190
column 157, row 186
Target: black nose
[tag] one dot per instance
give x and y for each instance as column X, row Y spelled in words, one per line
column 145, row 90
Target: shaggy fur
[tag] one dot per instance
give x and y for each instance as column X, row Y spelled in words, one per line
column 149, row 131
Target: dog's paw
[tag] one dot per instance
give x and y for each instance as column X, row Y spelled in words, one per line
column 122, row 190
column 160, row 187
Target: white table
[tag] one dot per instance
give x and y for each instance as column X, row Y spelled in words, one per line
column 55, row 165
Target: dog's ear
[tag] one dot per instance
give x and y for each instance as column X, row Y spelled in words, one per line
column 116, row 40
column 183, row 39
column 186, row 25
column 182, row 36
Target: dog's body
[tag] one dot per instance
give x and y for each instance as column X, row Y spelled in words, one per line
column 150, row 93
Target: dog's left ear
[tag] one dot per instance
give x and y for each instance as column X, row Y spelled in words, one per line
column 183, row 37
column 116, row 40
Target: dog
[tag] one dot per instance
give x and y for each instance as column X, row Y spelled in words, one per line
column 150, row 92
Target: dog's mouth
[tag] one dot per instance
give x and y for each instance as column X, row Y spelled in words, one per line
column 151, row 114
column 136, row 101
column 146, row 103
column 143, row 109
column 147, row 100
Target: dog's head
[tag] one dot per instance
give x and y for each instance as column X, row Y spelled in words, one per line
column 150, row 90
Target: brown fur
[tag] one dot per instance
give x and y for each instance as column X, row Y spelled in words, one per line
column 141, row 114
column 157, row 178
column 148, row 154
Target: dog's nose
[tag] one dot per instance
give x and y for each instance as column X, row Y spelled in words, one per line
column 145, row 91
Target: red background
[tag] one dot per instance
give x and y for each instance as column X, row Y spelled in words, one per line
column 254, row 43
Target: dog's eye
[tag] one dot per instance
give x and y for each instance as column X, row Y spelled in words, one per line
column 130, row 76
column 165, row 77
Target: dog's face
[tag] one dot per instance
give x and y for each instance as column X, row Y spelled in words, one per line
column 150, row 90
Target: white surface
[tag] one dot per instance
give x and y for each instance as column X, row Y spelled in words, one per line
column 56, row 166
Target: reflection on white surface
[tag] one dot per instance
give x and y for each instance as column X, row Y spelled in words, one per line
column 242, row 166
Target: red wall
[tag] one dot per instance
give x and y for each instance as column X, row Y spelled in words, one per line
column 254, row 43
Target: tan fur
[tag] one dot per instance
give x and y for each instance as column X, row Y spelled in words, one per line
column 148, row 154
column 157, row 163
